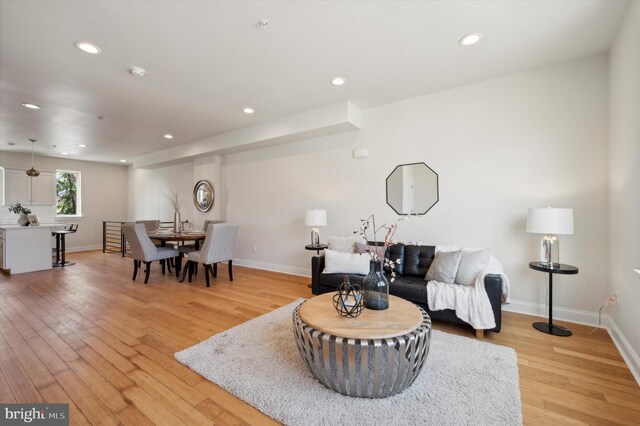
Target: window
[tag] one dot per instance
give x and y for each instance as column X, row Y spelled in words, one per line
column 68, row 193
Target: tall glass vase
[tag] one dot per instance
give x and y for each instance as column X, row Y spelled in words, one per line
column 176, row 222
column 376, row 287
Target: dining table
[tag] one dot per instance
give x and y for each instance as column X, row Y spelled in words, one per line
column 179, row 237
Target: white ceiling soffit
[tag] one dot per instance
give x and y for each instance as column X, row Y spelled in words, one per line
column 207, row 60
column 325, row 121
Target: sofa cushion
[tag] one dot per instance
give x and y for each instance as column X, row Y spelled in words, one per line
column 417, row 260
column 413, row 289
column 444, row 267
column 344, row 244
column 346, row 263
column 362, row 248
column 472, row 263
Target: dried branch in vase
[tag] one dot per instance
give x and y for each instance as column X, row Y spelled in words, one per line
column 369, row 224
column 175, row 201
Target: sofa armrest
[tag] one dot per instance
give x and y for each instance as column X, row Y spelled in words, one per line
column 317, row 266
column 493, row 287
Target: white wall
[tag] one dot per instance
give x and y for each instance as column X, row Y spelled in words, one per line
column 148, row 190
column 532, row 139
column 624, row 178
column 103, row 192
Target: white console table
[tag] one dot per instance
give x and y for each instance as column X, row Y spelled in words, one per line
column 26, row 248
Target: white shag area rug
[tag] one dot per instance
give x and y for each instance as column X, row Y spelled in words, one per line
column 464, row 381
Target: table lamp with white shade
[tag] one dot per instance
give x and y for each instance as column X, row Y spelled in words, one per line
column 550, row 221
column 315, row 218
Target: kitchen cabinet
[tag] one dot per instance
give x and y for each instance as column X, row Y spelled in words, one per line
column 29, row 191
column 25, row 248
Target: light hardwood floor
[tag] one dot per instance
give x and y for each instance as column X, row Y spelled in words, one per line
column 90, row 336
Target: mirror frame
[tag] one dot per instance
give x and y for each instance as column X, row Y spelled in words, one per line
column 413, row 164
column 201, row 206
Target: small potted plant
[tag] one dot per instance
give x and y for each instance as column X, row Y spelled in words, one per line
column 22, row 211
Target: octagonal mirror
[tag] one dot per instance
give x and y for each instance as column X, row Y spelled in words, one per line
column 412, row 189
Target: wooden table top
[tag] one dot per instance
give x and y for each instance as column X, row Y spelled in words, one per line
column 400, row 318
column 172, row 236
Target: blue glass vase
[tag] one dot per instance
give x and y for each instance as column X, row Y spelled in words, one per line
column 376, row 287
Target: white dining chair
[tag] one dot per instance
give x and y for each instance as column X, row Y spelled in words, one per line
column 218, row 247
column 143, row 249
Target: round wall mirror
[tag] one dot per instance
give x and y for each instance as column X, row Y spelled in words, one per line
column 203, row 196
column 412, row 189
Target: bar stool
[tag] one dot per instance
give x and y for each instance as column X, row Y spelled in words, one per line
column 60, row 235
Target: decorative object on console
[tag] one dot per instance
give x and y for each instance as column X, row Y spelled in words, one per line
column 176, row 203
column 348, row 299
column 550, row 221
column 33, row 220
column 17, row 208
column 315, row 218
column 32, row 172
column 203, row 195
column 412, row 189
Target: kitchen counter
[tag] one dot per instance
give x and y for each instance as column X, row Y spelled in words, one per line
column 42, row 225
column 26, row 248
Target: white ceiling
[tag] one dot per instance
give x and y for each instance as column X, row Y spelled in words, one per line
column 207, row 60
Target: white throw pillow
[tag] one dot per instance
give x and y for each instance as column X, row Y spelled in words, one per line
column 336, row 262
column 472, row 263
column 344, row 244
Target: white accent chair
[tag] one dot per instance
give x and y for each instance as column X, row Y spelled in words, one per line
column 218, row 247
column 143, row 249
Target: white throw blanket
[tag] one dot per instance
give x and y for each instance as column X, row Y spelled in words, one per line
column 471, row 303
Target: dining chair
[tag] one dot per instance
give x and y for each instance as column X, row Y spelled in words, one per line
column 218, row 247
column 209, row 222
column 143, row 249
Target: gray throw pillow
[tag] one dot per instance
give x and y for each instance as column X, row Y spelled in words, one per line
column 444, row 267
column 472, row 263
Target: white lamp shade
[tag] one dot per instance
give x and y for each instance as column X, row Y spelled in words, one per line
column 549, row 220
column 315, row 218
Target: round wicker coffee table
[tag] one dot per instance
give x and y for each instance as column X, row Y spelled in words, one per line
column 375, row 355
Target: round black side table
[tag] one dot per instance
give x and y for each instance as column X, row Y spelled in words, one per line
column 316, row 247
column 558, row 268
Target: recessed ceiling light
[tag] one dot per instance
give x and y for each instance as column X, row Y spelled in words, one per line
column 81, row 145
column 471, row 39
column 32, row 106
column 248, row 110
column 123, row 161
column 64, row 153
column 168, row 136
column 87, row 47
column 338, row 81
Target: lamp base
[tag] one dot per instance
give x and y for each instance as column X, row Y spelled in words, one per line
column 315, row 237
column 549, row 250
column 553, row 329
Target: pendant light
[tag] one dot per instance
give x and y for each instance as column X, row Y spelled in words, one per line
column 32, row 171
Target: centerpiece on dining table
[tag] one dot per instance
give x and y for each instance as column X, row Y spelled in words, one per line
column 176, row 202
column 375, row 284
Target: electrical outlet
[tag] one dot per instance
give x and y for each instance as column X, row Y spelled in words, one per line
column 254, row 248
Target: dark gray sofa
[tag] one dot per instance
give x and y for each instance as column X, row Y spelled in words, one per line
column 409, row 283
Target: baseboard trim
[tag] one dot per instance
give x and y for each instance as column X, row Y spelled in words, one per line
column 630, row 357
column 274, row 267
column 563, row 314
